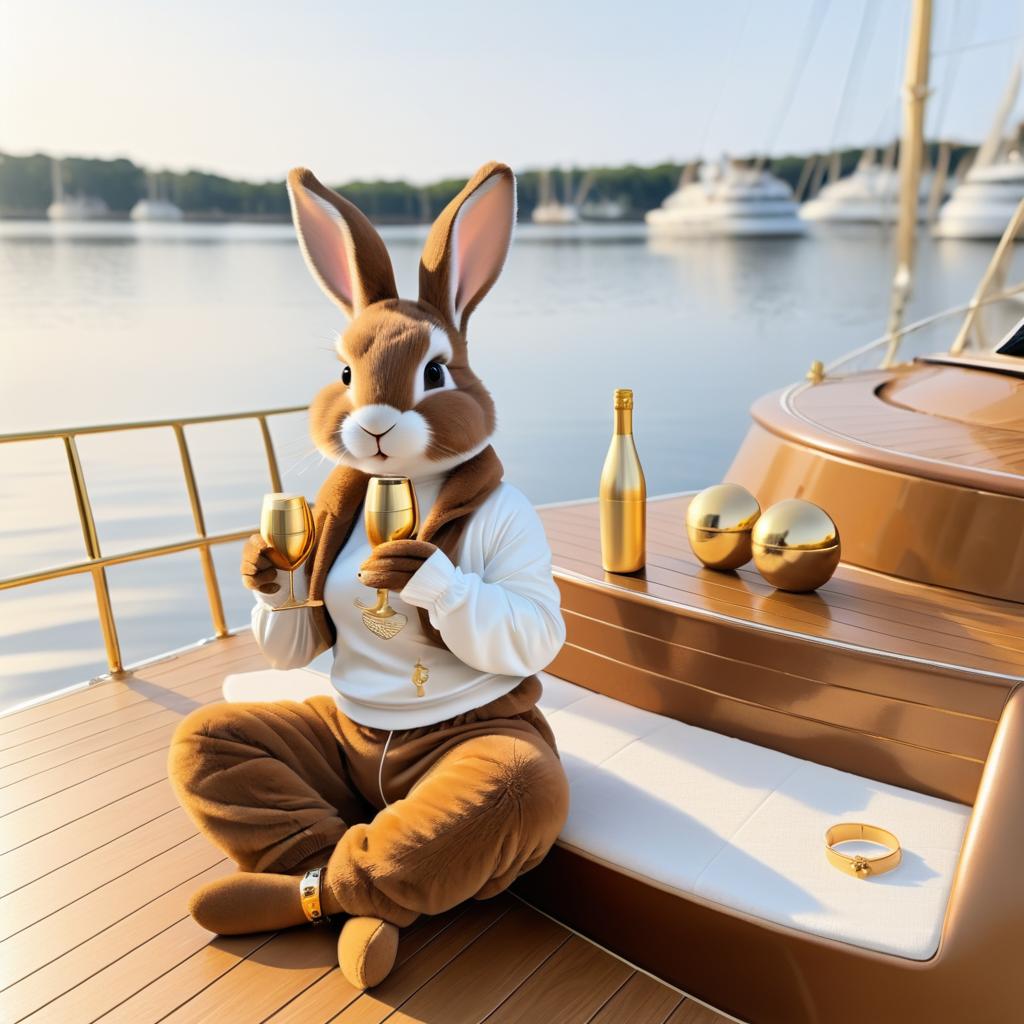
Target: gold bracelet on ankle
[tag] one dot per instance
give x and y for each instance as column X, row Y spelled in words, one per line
column 309, row 895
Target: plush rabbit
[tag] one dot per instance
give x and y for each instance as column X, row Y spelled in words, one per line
column 431, row 777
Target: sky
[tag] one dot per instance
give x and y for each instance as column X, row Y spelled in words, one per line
column 433, row 89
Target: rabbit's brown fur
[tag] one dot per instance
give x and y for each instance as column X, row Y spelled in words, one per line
column 476, row 799
column 389, row 338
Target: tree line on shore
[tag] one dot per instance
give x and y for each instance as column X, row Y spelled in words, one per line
column 26, row 188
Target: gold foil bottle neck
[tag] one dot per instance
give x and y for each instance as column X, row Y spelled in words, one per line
column 623, row 398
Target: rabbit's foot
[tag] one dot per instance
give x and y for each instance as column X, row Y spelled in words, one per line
column 248, row 902
column 367, row 948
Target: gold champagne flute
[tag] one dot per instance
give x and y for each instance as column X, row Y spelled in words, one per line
column 286, row 524
column 389, row 513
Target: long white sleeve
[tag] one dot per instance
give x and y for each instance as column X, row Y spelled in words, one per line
column 507, row 620
column 288, row 639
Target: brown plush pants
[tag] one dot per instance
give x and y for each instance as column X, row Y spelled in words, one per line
column 415, row 824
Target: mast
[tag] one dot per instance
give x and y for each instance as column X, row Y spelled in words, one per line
column 57, row 179
column 915, row 92
column 989, row 150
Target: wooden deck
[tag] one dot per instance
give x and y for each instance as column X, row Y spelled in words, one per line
column 98, row 862
column 856, row 607
column 964, row 424
column 871, row 674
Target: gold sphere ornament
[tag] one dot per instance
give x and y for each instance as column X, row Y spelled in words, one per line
column 718, row 523
column 796, row 546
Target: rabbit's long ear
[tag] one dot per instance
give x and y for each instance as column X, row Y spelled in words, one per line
column 343, row 251
column 467, row 245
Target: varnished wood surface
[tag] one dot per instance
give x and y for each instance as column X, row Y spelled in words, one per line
column 97, row 862
column 855, row 607
column 891, row 680
column 964, row 425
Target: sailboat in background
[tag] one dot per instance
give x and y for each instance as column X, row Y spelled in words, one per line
column 550, row 209
column 66, row 206
column 982, row 205
column 157, row 206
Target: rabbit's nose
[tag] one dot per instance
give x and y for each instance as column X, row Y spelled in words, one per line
column 376, row 419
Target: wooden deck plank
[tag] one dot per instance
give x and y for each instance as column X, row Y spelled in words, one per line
column 951, row 690
column 378, row 1004
column 852, row 580
column 62, row 886
column 100, row 862
column 811, row 615
column 165, row 693
column 569, row 987
column 87, row 960
column 826, row 702
column 140, row 716
column 47, row 783
column 146, row 983
column 119, row 693
column 858, row 589
column 50, row 938
column 265, row 980
column 35, row 820
column 66, row 754
column 851, row 406
column 506, row 954
column 758, row 615
column 939, row 634
column 642, row 1000
column 331, row 993
column 66, row 843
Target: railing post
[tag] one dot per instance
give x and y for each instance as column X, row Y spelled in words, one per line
column 92, row 548
column 220, row 627
column 268, row 444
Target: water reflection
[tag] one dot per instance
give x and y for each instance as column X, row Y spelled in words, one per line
column 106, row 322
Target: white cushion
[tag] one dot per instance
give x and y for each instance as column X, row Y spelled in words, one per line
column 276, row 684
column 694, row 812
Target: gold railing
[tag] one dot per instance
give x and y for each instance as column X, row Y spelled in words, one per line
column 96, row 562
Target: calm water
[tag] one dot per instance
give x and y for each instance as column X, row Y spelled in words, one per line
column 125, row 322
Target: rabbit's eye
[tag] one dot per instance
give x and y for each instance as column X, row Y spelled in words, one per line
column 346, row 375
column 433, row 375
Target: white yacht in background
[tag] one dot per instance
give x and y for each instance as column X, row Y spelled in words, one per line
column 72, row 207
column 604, row 209
column 156, row 206
column 729, row 199
column 870, row 195
column 981, row 206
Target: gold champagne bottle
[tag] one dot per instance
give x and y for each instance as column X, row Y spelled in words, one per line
column 623, row 495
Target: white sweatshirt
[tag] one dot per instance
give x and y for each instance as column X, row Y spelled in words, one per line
column 497, row 609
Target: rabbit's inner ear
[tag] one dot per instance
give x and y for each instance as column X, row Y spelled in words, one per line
column 326, row 245
column 342, row 249
column 466, row 248
column 483, row 234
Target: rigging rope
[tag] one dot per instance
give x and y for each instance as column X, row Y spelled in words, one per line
column 811, row 31
column 727, row 68
column 855, row 68
column 953, row 66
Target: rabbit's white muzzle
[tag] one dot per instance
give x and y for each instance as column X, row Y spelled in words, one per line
column 375, row 436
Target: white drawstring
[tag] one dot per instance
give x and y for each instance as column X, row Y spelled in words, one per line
column 380, row 771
